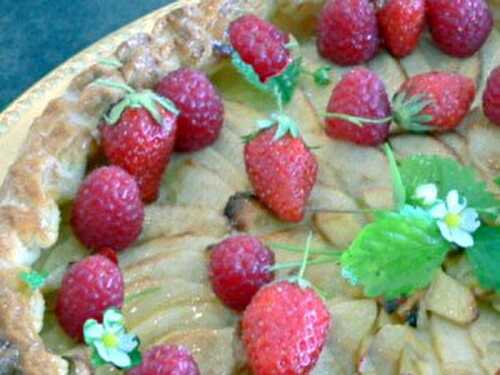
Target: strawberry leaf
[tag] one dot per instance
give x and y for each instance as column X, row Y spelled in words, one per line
column 485, row 257
column 447, row 175
column 396, row 255
column 282, row 86
column 398, row 188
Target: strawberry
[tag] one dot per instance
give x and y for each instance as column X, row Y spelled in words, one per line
column 167, row 360
column 261, row 45
column 107, row 211
column 284, row 329
column 139, row 136
column 88, row 288
column 435, row 101
column 361, row 93
column 459, row 27
column 347, row 31
column 239, row 267
column 281, row 168
column 491, row 97
column 201, row 109
column 401, row 23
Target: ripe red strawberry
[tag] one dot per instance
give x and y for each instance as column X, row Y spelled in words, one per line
column 201, row 109
column 239, row 267
column 360, row 93
column 436, row 101
column 261, row 45
column 282, row 170
column 140, row 138
column 284, row 329
column 167, row 360
column 459, row 27
column 401, row 22
column 88, row 288
column 348, row 32
column 108, row 211
column 491, row 97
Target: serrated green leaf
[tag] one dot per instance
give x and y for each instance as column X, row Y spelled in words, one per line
column 447, row 175
column 135, row 359
column 485, row 257
column 497, row 180
column 396, row 255
column 397, row 182
column 282, row 86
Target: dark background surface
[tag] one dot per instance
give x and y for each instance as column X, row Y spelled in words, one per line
column 38, row 35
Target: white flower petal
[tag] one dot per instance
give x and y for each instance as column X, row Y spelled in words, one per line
column 439, row 211
column 111, row 317
column 119, row 358
column 102, row 351
column 462, row 238
column 92, row 331
column 128, row 342
column 470, row 220
column 427, row 193
column 452, row 201
column 445, row 231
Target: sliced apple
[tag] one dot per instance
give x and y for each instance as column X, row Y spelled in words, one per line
column 454, row 347
column 211, row 315
column 451, row 300
column 211, row 348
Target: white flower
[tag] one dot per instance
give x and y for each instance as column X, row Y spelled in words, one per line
column 455, row 221
column 426, row 194
column 110, row 339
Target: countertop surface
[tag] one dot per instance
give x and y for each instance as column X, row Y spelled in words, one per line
column 38, row 35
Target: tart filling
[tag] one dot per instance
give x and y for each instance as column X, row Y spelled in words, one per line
column 444, row 317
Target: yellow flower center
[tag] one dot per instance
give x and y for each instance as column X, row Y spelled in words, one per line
column 453, row 220
column 110, row 340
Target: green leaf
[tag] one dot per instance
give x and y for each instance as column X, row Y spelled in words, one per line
column 497, row 180
column 33, row 279
column 448, row 175
column 397, row 182
column 135, row 358
column 396, row 255
column 485, row 257
column 282, row 86
column 96, row 360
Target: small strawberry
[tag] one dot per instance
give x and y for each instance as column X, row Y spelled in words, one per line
column 360, row 93
column 491, row 97
column 459, row 27
column 88, row 288
column 108, row 211
column 201, row 109
column 261, row 45
column 284, row 329
column 167, row 360
column 348, row 32
column 281, row 168
column 239, row 267
column 435, row 101
column 139, row 136
column 401, row 23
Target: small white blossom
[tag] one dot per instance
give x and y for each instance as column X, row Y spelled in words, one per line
column 110, row 339
column 455, row 221
column 426, row 194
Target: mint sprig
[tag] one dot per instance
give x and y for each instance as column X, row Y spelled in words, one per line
column 485, row 257
column 395, row 255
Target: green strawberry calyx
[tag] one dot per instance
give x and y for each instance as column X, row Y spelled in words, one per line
column 33, row 279
column 284, row 123
column 137, row 99
column 407, row 112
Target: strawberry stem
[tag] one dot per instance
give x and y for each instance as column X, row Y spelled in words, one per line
column 115, row 85
column 358, row 121
column 327, row 210
column 289, row 265
column 296, row 249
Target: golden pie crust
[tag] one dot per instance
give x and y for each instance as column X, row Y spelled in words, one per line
column 52, row 161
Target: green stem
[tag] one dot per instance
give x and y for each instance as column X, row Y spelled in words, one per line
column 115, row 85
column 358, row 121
column 327, row 210
column 295, row 249
column 288, row 265
column 306, row 256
